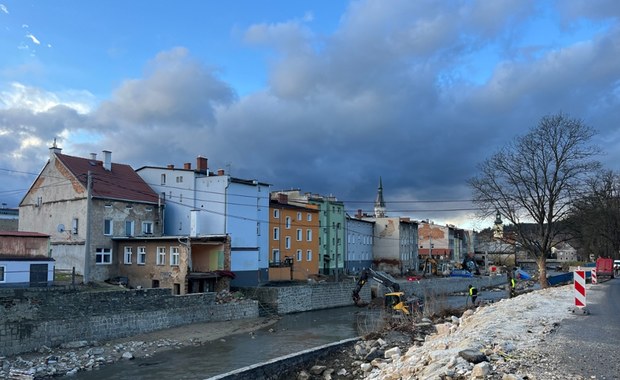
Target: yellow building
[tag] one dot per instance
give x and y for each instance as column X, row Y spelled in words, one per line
column 293, row 240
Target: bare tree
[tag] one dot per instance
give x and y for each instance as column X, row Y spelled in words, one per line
column 595, row 217
column 532, row 180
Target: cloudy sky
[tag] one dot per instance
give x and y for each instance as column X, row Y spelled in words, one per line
column 326, row 96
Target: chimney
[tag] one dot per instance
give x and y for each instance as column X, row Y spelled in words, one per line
column 187, row 165
column 283, row 198
column 359, row 213
column 220, row 171
column 107, row 160
column 93, row 156
column 201, row 165
column 54, row 150
column 170, row 166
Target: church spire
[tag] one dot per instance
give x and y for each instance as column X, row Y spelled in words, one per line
column 379, row 203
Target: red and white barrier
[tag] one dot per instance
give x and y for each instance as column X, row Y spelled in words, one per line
column 579, row 277
column 593, row 275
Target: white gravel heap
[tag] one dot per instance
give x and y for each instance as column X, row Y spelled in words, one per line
column 496, row 330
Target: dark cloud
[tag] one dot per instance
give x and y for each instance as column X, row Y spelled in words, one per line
column 394, row 93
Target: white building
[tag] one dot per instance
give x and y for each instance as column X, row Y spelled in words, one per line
column 199, row 202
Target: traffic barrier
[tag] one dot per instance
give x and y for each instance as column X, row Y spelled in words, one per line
column 593, row 275
column 580, row 288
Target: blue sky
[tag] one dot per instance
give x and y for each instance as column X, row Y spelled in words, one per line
column 325, row 96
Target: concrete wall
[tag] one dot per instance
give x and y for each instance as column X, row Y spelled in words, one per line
column 31, row 318
column 284, row 367
column 293, row 299
column 450, row 285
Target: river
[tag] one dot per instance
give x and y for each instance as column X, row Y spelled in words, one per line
column 292, row 333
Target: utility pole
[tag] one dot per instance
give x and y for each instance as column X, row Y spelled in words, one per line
column 89, row 185
column 337, row 228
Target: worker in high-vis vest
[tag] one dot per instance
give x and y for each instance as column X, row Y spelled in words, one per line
column 513, row 286
column 473, row 293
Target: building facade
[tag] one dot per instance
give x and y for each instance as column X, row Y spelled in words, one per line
column 25, row 260
column 360, row 240
column 202, row 203
column 293, row 242
column 82, row 203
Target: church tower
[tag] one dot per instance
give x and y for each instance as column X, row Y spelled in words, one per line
column 379, row 203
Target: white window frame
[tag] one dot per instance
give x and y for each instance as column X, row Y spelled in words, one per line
column 108, row 227
column 309, row 218
column 298, row 215
column 163, row 179
column 174, row 256
column 276, row 233
column 308, row 235
column 74, row 226
column 299, row 255
column 103, row 256
column 287, row 242
column 128, row 255
column 287, row 223
column 141, row 259
column 276, row 214
column 275, row 255
column 300, row 235
column 147, row 227
column 130, row 228
column 309, row 255
column 161, row 256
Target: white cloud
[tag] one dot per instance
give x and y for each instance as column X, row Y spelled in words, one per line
column 4, row 9
column 33, row 39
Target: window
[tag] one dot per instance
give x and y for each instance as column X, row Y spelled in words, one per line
column 141, row 255
column 288, row 222
column 309, row 255
column 276, row 233
column 299, row 255
column 180, row 179
column 129, row 227
column 147, row 227
column 299, row 216
column 161, row 255
column 299, row 234
column 163, row 179
column 308, row 235
column 107, row 227
column 309, row 218
column 174, row 256
column 276, row 214
column 2, row 275
column 74, row 226
column 287, row 242
column 103, row 256
column 181, row 197
column 128, row 254
column 275, row 255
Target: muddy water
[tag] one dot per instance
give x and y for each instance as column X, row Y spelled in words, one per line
column 293, row 333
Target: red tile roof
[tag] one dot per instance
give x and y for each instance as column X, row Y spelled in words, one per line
column 120, row 183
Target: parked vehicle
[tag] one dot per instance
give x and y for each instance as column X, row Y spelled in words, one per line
column 604, row 268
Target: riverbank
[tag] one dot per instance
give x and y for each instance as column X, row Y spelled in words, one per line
column 87, row 356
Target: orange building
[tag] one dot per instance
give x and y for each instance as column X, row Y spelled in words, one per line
column 293, row 240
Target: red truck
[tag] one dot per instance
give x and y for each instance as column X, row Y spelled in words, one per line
column 604, row 268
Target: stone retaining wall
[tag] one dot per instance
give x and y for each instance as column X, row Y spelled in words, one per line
column 30, row 318
column 298, row 298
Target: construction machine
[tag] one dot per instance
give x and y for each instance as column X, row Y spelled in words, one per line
column 394, row 299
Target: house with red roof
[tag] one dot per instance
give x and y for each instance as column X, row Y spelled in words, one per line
column 82, row 203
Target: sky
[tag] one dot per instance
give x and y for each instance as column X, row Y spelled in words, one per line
column 326, row 96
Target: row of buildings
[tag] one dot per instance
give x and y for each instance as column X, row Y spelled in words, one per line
column 193, row 230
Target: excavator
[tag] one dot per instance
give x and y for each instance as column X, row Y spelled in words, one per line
column 394, row 300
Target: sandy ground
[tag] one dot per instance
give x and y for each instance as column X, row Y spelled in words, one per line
column 199, row 332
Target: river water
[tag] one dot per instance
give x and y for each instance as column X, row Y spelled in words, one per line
column 292, row 333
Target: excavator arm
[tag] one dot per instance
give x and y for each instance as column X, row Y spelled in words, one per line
column 380, row 277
